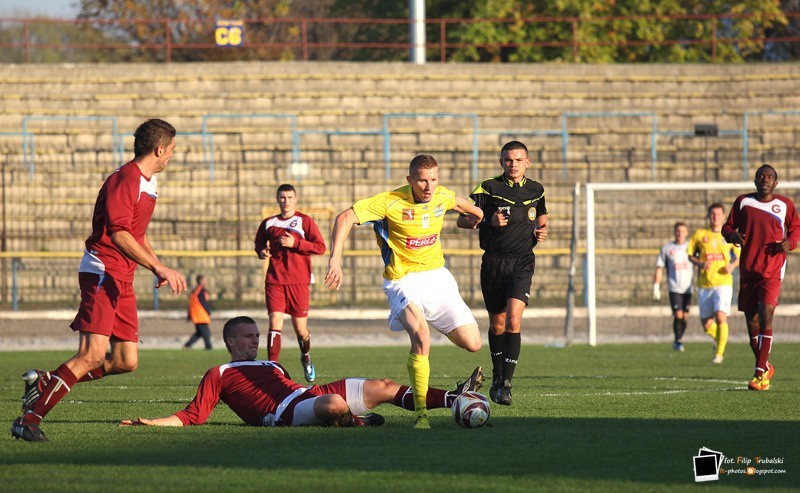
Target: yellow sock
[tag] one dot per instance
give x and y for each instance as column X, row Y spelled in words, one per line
column 419, row 371
column 722, row 338
column 711, row 330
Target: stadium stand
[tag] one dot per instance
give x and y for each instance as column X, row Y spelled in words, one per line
column 225, row 170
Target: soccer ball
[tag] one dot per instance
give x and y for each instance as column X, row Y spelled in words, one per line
column 471, row 410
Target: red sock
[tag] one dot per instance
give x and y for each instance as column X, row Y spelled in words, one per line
column 764, row 348
column 754, row 345
column 95, row 374
column 436, row 398
column 273, row 344
column 61, row 382
column 754, row 342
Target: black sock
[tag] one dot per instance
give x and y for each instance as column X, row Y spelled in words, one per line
column 683, row 328
column 676, row 329
column 305, row 345
column 496, row 352
column 511, row 346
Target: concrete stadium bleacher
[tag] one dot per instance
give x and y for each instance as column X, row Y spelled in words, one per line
column 55, row 182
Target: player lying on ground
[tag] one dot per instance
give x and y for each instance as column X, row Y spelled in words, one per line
column 262, row 394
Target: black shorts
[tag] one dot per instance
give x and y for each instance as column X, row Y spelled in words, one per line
column 506, row 278
column 680, row 301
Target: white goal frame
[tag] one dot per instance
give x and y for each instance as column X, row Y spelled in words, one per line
column 591, row 188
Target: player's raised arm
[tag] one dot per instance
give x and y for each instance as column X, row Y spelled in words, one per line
column 792, row 229
column 165, row 275
column 341, row 228
column 313, row 243
column 145, row 256
column 730, row 229
column 541, row 228
column 464, row 206
column 171, row 420
column 262, row 242
column 468, row 221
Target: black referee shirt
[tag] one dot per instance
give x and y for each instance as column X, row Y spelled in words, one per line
column 525, row 202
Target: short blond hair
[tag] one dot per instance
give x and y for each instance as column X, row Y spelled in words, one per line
column 422, row 161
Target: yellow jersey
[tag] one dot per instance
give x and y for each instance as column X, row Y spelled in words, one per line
column 407, row 232
column 712, row 246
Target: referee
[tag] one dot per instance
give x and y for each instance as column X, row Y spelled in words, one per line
column 515, row 219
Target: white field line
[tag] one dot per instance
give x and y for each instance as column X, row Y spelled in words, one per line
column 713, row 380
column 739, row 385
column 661, row 392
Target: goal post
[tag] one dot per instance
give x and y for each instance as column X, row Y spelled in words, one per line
column 593, row 190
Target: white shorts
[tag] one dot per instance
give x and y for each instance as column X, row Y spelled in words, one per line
column 304, row 413
column 354, row 388
column 716, row 299
column 435, row 292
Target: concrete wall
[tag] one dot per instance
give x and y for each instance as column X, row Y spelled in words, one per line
column 53, row 186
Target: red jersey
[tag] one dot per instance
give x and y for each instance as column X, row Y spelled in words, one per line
column 252, row 389
column 290, row 265
column 763, row 223
column 125, row 203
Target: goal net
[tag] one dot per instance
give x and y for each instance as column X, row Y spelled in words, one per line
column 626, row 225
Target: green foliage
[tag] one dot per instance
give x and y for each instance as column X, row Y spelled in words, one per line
column 492, row 31
column 192, row 22
column 611, row 418
column 605, row 37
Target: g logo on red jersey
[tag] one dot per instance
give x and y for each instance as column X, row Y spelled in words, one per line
column 776, row 208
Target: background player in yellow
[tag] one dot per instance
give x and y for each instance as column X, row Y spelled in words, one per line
column 421, row 291
column 716, row 259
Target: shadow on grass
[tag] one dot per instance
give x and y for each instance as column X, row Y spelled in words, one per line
column 640, row 450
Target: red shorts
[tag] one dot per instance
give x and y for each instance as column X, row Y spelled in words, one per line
column 108, row 307
column 288, row 298
column 337, row 387
column 755, row 291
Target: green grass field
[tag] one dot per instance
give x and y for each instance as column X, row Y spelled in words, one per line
column 610, row 418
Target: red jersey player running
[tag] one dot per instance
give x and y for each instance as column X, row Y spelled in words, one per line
column 288, row 240
column 262, row 394
column 767, row 227
column 107, row 312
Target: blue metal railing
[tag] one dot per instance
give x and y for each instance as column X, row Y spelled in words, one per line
column 207, row 135
column 15, row 261
column 690, row 133
column 208, row 138
column 28, row 141
column 336, row 132
column 387, row 144
column 746, row 137
column 565, row 133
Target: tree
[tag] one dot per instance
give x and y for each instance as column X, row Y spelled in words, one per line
column 192, row 23
column 784, row 50
column 604, row 28
column 628, row 31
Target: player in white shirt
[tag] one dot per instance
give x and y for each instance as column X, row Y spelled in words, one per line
column 674, row 258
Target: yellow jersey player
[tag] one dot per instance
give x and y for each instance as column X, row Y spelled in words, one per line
column 421, row 291
column 716, row 260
